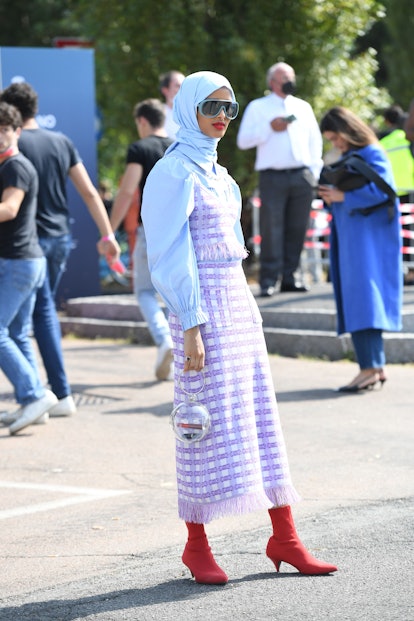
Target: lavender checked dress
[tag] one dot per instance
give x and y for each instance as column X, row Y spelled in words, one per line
column 241, row 465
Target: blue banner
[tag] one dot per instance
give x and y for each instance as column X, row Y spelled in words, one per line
column 65, row 82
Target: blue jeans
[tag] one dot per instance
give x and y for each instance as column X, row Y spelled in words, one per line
column 19, row 281
column 369, row 348
column 46, row 324
column 56, row 251
column 146, row 294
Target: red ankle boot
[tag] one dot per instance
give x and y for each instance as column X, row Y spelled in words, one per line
column 197, row 556
column 286, row 546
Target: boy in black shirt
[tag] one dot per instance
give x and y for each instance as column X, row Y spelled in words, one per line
column 22, row 272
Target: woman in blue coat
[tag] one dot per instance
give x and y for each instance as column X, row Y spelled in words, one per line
column 366, row 261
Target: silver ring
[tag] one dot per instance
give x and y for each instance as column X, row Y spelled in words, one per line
column 188, row 358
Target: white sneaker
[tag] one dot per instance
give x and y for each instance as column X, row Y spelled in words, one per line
column 8, row 418
column 164, row 360
column 64, row 407
column 43, row 420
column 32, row 412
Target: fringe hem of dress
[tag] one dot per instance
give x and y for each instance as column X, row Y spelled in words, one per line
column 281, row 496
column 205, row 512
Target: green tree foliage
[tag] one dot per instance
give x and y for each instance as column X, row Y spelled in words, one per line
column 34, row 23
column 136, row 40
column 399, row 50
column 392, row 38
column 346, row 77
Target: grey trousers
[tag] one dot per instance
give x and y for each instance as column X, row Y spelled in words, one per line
column 286, row 199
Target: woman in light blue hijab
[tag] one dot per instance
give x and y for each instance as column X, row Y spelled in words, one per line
column 199, row 147
column 191, row 212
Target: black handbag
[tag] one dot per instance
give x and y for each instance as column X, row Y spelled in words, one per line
column 343, row 174
column 351, row 173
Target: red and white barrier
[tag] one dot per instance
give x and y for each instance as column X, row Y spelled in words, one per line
column 319, row 228
column 317, row 235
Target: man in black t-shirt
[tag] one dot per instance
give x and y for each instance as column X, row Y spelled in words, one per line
column 55, row 159
column 141, row 157
column 22, row 272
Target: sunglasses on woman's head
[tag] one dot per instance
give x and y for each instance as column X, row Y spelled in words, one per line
column 210, row 108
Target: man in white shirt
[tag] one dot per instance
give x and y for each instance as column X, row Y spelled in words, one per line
column 286, row 134
column 170, row 83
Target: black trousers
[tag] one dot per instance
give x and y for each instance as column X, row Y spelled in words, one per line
column 286, row 199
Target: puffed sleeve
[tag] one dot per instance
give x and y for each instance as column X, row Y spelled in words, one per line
column 237, row 225
column 168, row 201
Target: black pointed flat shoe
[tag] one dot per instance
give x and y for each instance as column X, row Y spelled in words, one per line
column 367, row 384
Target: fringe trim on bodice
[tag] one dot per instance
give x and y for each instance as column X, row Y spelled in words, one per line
column 221, row 251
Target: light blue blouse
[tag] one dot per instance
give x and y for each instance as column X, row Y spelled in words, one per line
column 168, row 201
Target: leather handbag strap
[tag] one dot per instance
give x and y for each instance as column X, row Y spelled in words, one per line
column 361, row 166
column 359, row 163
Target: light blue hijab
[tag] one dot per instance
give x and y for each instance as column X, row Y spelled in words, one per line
column 190, row 139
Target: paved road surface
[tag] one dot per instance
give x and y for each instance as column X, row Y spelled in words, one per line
column 88, row 504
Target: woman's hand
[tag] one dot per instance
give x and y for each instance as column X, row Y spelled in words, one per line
column 330, row 194
column 193, row 350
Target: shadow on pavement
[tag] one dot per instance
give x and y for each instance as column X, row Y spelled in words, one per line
column 317, row 394
column 128, row 599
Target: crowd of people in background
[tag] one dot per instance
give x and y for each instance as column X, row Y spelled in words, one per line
column 289, row 158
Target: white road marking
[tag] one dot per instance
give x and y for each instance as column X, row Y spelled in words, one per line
column 79, row 495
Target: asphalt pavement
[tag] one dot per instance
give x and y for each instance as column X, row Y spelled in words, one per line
column 88, row 503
